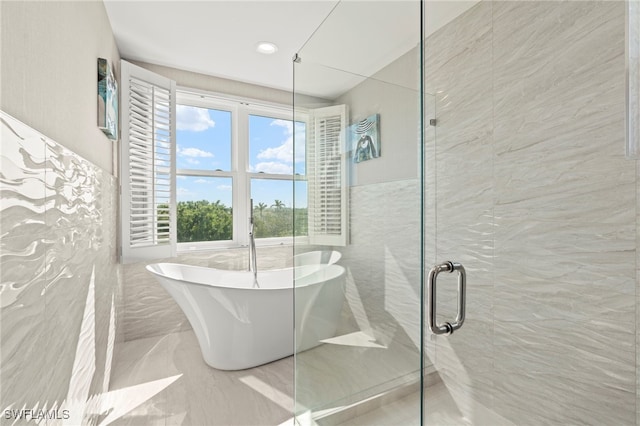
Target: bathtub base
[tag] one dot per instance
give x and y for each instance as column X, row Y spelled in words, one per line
column 240, row 328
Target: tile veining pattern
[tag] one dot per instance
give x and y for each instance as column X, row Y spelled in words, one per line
column 379, row 344
column 59, row 278
column 164, row 380
column 536, row 199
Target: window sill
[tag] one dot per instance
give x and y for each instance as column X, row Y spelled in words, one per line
column 230, row 245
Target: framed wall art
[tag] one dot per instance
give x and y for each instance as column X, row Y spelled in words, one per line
column 107, row 100
column 365, row 137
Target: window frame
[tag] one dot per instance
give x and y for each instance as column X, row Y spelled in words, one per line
column 240, row 109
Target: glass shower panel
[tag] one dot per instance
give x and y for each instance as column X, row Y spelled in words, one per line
column 358, row 290
column 539, row 204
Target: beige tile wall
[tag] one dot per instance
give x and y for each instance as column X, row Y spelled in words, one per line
column 534, row 196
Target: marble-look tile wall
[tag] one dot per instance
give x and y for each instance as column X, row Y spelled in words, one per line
column 59, row 278
column 533, row 194
column 379, row 345
column 637, row 299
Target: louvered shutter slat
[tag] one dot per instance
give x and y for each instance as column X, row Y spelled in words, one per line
column 148, row 193
column 326, row 170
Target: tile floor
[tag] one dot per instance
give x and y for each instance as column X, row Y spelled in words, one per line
column 440, row 410
column 180, row 389
column 164, row 381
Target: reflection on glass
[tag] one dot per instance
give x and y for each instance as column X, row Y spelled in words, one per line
column 376, row 347
column 203, row 138
column 301, row 216
column 204, row 209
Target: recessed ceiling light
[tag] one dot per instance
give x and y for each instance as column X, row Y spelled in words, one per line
column 266, row 47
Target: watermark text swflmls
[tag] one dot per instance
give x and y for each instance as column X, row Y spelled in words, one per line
column 36, row 415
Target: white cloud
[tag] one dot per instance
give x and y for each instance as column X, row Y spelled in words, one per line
column 193, row 119
column 224, row 187
column 201, row 181
column 284, row 152
column 193, row 152
column 192, row 161
column 288, row 125
column 273, row 167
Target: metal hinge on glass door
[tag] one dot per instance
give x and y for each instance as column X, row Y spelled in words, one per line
column 448, row 327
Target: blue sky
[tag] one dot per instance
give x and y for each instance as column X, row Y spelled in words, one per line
column 204, row 142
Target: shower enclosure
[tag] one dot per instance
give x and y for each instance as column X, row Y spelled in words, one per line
column 490, row 135
column 363, row 151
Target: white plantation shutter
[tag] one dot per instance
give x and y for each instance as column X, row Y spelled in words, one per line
column 147, row 165
column 327, row 176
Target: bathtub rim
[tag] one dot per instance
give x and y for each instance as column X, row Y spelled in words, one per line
column 314, row 269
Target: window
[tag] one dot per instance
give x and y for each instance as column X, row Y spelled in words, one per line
column 273, row 157
column 191, row 162
column 231, row 151
column 204, row 215
column 204, row 182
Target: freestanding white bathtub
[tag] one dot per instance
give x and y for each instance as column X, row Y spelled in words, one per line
column 239, row 326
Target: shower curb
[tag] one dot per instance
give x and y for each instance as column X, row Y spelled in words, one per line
column 339, row 415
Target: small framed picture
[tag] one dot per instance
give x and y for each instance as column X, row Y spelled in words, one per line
column 365, row 137
column 107, row 100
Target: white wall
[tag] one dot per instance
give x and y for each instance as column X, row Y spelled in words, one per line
column 393, row 93
column 59, row 278
column 48, row 80
column 210, row 83
column 60, row 287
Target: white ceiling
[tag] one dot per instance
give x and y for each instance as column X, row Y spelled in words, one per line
column 219, row 37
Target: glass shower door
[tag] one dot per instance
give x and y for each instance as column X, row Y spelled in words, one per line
column 527, row 186
column 358, row 281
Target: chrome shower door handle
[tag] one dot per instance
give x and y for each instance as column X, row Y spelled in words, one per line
column 446, row 328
